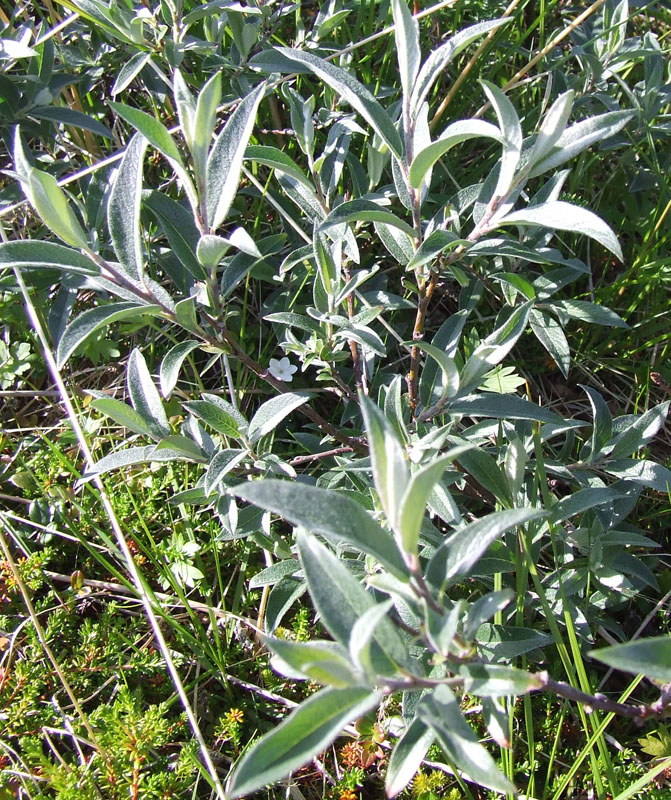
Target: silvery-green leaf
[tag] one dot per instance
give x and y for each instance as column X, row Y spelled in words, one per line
column 159, row 137
column 129, row 71
column 307, row 732
column 483, row 467
column 223, row 462
column 484, row 609
column 179, row 228
column 211, row 249
column 650, row 657
column 178, row 447
column 416, row 496
column 443, row 55
column 362, row 637
column 579, row 137
column 144, row 395
column 407, row 756
column 347, row 87
column 186, row 106
column 492, row 350
column 340, row 601
column 277, row 160
column 406, row 31
column 391, row 473
column 329, row 513
column 649, row 473
column 440, row 711
column 463, row 549
column 562, row 216
column 640, row 432
column 123, row 208
column 33, row 254
column 219, row 414
column 204, row 119
column 496, row 680
column 151, row 129
column 122, row 458
column 274, row 573
column 511, row 131
column 51, row 205
column 590, row 312
column 454, row 134
column 502, row 407
column 323, row 662
column 552, row 126
column 273, row 411
column 432, row 247
column 365, row 211
column 124, row 415
column 583, row 500
column 88, row 322
column 12, row 48
column 226, row 156
column 171, row 365
column 71, row 116
column 602, row 428
column 551, row 335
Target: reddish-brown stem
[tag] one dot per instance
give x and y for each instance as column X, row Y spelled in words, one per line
column 418, row 333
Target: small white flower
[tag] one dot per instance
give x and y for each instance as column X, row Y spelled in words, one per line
column 283, row 369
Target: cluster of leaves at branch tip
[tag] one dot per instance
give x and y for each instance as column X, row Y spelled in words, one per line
column 380, row 559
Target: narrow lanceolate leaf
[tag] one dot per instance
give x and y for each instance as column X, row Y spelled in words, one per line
column 452, row 135
column 93, row 320
column 204, row 120
column 341, row 601
column 348, row 88
column 502, row 407
column 443, row 55
column 447, row 365
column 276, row 159
column 551, row 335
column 321, row 661
column 159, row 137
column 129, row 71
column 171, row 365
column 225, row 160
column 416, row 497
column 179, row 228
column 224, row 462
column 649, row 657
column 407, row 47
column 123, row 209
column 468, row 544
column 640, row 432
column 562, row 216
column 649, row 473
column 440, row 711
column 32, row 254
column 144, row 394
column 552, row 127
column 511, row 131
column 602, row 427
column 151, row 129
column 122, row 458
column 496, row 680
column 391, row 473
column 219, row 414
column 310, row 729
column 123, row 414
column 273, row 411
column 51, row 205
column 329, row 513
column 407, row 756
column 583, row 500
column 590, row 312
column 579, row 137
column 365, row 211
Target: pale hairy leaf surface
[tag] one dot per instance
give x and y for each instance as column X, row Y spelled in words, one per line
column 307, row 732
